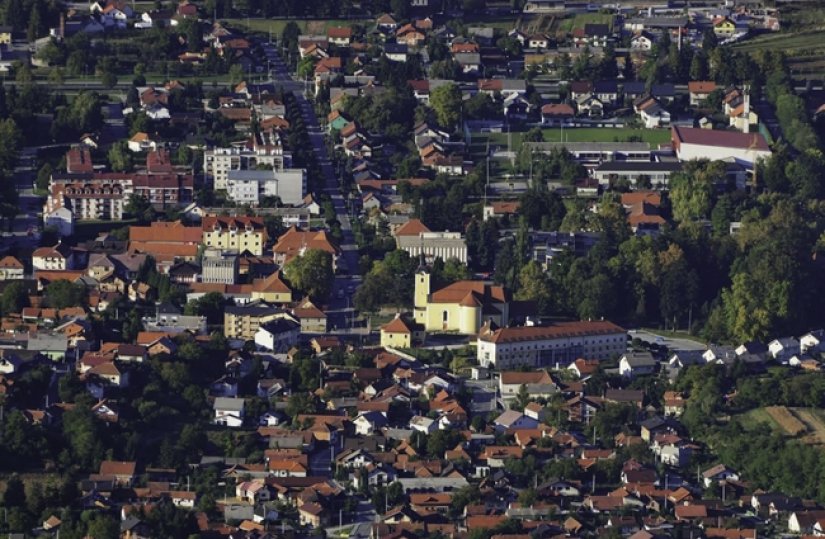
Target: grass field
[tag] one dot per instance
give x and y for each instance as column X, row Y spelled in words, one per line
column 276, row 26
column 579, row 134
column 580, row 19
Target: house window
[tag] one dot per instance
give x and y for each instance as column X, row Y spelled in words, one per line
column 444, row 316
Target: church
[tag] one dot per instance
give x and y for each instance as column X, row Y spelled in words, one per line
column 462, row 307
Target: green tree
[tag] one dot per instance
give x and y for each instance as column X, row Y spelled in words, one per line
column 446, row 102
column 522, row 398
column 312, row 274
column 103, row 526
column 210, row 305
column 44, row 176
column 534, row 285
column 63, row 293
column 120, row 158
column 15, row 296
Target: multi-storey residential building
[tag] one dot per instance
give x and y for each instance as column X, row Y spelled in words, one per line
column 58, row 257
column 549, row 346
column 219, row 268
column 242, row 322
column 217, row 162
column 251, row 186
column 234, row 234
column 97, row 195
column 89, row 200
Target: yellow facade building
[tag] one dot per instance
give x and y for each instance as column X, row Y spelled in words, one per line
column 234, row 234
column 401, row 333
column 461, row 307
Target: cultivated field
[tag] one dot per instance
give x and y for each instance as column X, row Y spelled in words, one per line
column 786, row 420
column 806, row 424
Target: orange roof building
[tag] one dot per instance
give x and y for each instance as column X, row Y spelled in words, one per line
column 295, row 242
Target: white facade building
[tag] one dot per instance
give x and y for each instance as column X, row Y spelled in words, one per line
column 432, row 245
column 251, row 186
column 549, row 346
column 716, row 145
column 217, row 162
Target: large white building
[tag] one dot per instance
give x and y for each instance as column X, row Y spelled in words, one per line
column 716, row 145
column 415, row 238
column 550, row 346
column 251, row 186
column 217, row 162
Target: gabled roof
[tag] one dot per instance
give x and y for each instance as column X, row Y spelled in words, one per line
column 397, row 325
column 10, row 262
column 111, row 467
column 413, row 227
column 724, row 139
column 701, row 87
column 273, row 283
column 167, row 232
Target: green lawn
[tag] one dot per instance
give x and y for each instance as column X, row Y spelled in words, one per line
column 577, row 134
column 580, row 19
column 757, row 419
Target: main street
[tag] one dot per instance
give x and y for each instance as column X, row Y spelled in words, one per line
column 340, row 309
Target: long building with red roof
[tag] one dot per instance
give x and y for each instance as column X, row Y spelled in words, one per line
column 549, row 346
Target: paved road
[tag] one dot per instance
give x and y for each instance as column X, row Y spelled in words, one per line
column 671, row 343
column 345, row 285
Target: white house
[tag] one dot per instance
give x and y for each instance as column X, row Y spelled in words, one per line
column 141, row 142
column 278, row 335
column 11, row 269
column 782, row 349
column 423, row 424
column 51, row 258
column 229, row 411
column 635, row 364
column 368, row 423
column 812, row 341
column 652, row 113
column 643, row 41
column 512, row 420
column 720, row 472
column 62, row 219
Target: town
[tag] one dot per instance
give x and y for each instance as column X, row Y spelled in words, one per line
column 399, row 269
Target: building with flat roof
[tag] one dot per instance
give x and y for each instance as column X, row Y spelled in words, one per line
column 549, row 346
column 656, row 173
column 252, row 186
column 594, row 153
